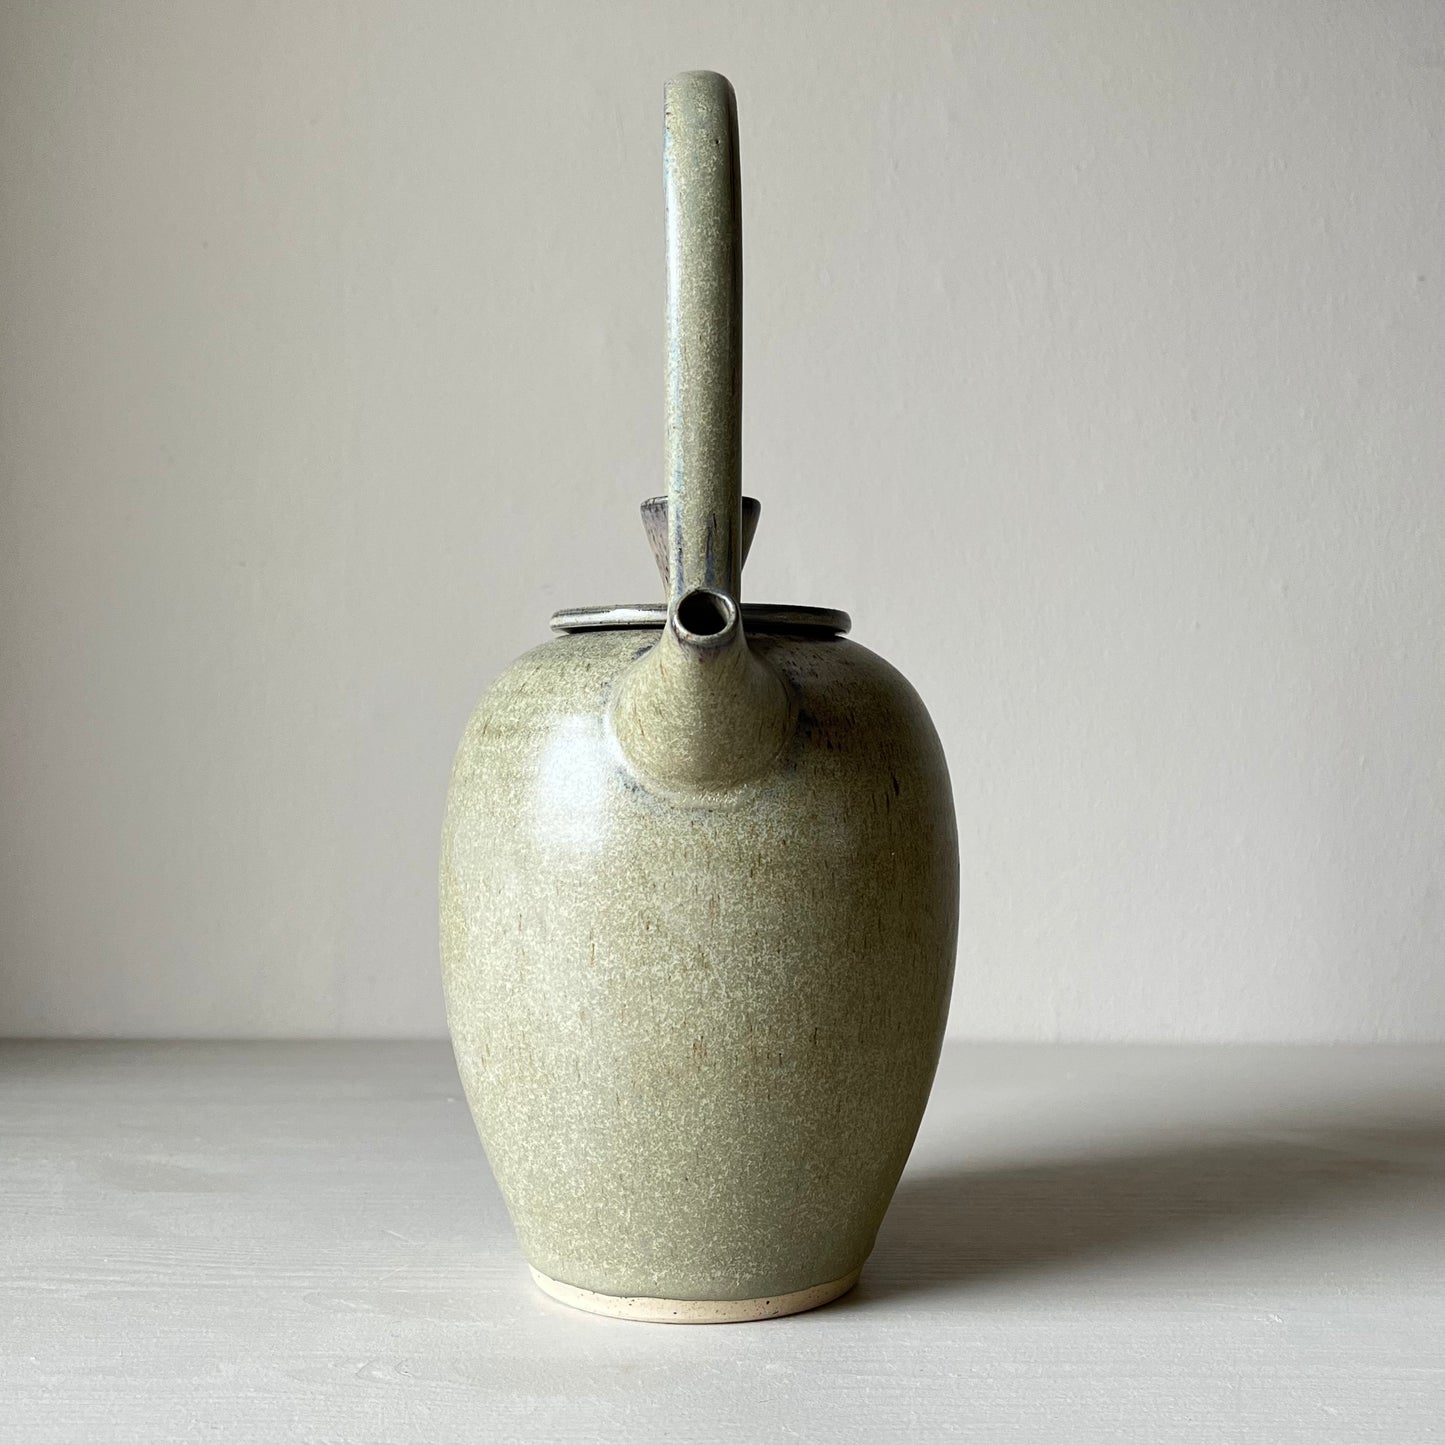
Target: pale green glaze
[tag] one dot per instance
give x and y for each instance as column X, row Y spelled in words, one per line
column 703, row 212
column 698, row 1034
column 699, row 890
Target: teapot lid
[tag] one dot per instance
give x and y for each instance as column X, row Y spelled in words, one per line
column 701, row 530
column 757, row 616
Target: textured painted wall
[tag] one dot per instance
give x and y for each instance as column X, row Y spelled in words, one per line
column 1094, row 362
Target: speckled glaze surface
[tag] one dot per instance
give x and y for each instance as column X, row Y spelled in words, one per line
column 699, row 889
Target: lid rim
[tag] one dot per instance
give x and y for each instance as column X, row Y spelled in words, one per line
column 761, row 617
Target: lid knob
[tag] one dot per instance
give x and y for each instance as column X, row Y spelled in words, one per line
column 654, row 523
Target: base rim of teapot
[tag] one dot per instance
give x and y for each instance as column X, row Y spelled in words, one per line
column 692, row 1311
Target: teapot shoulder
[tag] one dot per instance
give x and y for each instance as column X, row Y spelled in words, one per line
column 568, row 675
column 836, row 678
column 851, row 699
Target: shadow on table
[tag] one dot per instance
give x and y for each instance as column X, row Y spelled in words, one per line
column 947, row 1229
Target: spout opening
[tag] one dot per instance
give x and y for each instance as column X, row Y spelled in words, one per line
column 704, row 615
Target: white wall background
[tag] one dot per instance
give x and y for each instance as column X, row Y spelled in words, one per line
column 1094, row 362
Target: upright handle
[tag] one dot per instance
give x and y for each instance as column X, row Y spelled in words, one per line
column 704, row 336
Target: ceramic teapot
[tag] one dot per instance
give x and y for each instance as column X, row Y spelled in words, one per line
column 699, row 882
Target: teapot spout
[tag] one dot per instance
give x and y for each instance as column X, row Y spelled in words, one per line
column 700, row 711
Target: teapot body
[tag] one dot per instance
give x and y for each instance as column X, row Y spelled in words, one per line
column 697, row 1030
column 699, row 881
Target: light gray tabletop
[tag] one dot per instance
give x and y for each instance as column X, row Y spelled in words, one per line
column 272, row 1242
